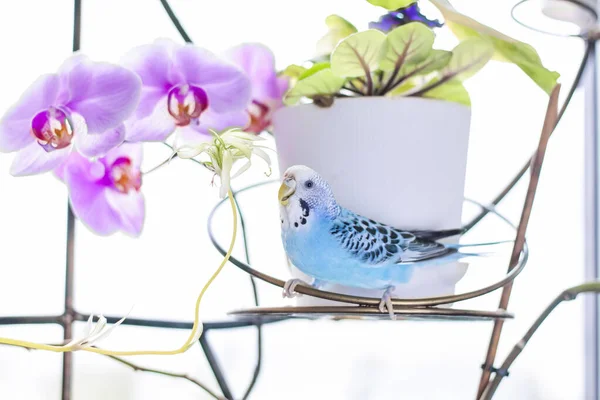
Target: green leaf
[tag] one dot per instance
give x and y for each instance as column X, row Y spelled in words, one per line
column 450, row 91
column 314, row 69
column 526, row 58
column 339, row 28
column 413, row 84
column 436, row 60
column 358, row 55
column 505, row 48
column 322, row 83
column 407, row 44
column 293, row 71
column 421, row 72
column 392, row 4
column 407, row 87
column 468, row 58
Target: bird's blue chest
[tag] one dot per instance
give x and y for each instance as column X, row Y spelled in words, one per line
column 308, row 245
column 314, row 250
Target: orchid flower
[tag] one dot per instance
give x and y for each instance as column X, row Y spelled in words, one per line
column 105, row 192
column 94, row 333
column 223, row 151
column 403, row 16
column 83, row 105
column 185, row 88
column 268, row 89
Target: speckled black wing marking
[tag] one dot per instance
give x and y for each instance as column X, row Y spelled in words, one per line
column 369, row 241
column 376, row 243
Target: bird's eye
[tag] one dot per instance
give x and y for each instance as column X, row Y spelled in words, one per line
column 309, row 184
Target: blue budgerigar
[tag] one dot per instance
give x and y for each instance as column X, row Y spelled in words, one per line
column 335, row 245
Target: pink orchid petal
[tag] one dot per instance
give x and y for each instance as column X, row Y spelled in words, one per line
column 283, row 84
column 221, row 121
column 258, row 63
column 15, row 125
column 152, row 62
column 33, row 159
column 130, row 208
column 149, row 98
column 133, row 151
column 156, row 127
column 104, row 94
column 188, row 136
column 89, row 198
column 99, row 144
column 227, row 86
column 195, row 134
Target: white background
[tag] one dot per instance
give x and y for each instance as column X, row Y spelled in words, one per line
column 162, row 271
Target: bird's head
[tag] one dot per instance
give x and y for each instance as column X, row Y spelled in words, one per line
column 302, row 183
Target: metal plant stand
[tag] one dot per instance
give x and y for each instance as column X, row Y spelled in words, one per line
column 357, row 307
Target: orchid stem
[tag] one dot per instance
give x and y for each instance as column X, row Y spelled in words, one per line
column 168, row 160
column 194, row 334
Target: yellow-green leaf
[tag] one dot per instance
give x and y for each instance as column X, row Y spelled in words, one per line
column 323, row 82
column 526, row 58
column 450, row 91
column 506, row 48
column 406, row 87
column 294, row 71
column 468, row 58
column 314, row 69
column 339, row 28
column 392, row 4
column 358, row 55
column 436, row 60
column 413, row 84
column 407, row 44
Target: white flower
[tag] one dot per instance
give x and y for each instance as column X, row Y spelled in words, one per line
column 223, row 151
column 94, row 333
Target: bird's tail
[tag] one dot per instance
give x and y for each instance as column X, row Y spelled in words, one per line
column 436, row 235
column 459, row 246
column 460, row 253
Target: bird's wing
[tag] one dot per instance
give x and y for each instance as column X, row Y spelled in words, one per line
column 422, row 250
column 376, row 244
column 437, row 235
column 368, row 241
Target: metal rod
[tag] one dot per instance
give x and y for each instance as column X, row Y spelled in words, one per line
column 207, row 326
column 372, row 301
column 175, row 21
column 67, row 317
column 34, row 320
column 67, row 321
column 591, row 226
column 246, row 248
column 586, row 56
column 567, row 295
column 214, row 365
column 536, row 168
column 256, row 303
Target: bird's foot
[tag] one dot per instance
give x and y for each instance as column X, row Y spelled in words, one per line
column 289, row 288
column 386, row 302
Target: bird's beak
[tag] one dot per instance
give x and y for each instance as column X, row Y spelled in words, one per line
column 286, row 190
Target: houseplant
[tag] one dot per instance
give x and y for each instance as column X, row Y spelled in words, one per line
column 384, row 118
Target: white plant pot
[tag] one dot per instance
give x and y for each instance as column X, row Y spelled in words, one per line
column 399, row 161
